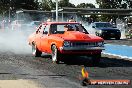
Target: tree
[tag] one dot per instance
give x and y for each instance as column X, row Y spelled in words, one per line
column 4, row 6
column 108, row 4
column 65, row 3
column 24, row 4
column 85, row 5
column 13, row 5
column 113, row 4
column 46, row 5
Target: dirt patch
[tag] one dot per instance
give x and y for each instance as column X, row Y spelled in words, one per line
column 18, row 84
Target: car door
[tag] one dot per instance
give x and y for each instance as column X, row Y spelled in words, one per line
column 38, row 37
column 45, row 38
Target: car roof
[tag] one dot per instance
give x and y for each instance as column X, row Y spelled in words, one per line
column 101, row 22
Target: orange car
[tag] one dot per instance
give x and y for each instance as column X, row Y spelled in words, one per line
column 62, row 39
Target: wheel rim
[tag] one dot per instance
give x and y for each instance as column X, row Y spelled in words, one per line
column 33, row 49
column 54, row 54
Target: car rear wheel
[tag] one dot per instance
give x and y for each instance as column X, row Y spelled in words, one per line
column 35, row 51
column 55, row 54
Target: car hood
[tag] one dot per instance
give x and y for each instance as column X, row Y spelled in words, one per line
column 76, row 35
column 107, row 28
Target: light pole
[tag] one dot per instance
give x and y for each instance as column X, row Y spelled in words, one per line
column 17, row 12
column 59, row 10
column 9, row 11
column 56, row 10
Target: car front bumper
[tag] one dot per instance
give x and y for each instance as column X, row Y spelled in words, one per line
column 81, row 50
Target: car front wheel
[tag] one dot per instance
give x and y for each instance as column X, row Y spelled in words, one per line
column 96, row 59
column 55, row 54
column 35, row 51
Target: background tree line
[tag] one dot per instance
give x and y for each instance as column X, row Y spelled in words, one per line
column 113, row 4
column 47, row 5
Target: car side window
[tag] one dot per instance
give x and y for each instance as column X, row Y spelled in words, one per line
column 45, row 29
column 38, row 29
column 41, row 29
column 53, row 28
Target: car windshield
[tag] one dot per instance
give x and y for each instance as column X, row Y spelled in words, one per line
column 103, row 25
column 36, row 22
column 60, row 28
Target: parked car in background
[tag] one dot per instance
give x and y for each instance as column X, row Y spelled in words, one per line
column 105, row 30
column 34, row 24
column 63, row 39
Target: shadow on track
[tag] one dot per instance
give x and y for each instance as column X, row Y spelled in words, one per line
column 106, row 61
column 115, row 62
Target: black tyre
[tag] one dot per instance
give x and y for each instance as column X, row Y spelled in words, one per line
column 35, row 51
column 96, row 59
column 55, row 54
column 84, row 82
column 117, row 38
column 97, row 34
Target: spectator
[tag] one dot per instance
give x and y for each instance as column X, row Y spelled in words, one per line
column 68, row 28
column 71, row 19
column 90, row 20
column 65, row 28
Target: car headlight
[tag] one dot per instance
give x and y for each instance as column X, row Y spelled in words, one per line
column 100, row 43
column 66, row 43
column 100, row 31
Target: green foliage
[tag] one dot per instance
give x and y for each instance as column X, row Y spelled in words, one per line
column 47, row 5
column 24, row 4
column 108, row 4
column 85, row 5
column 13, row 5
column 65, row 3
column 4, row 5
column 113, row 4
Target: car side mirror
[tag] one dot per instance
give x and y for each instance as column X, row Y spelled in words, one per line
column 93, row 26
column 37, row 32
column 45, row 32
column 114, row 27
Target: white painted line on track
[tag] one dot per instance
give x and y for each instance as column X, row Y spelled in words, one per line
column 117, row 55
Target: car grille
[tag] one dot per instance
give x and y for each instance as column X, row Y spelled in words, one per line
column 84, row 44
column 110, row 31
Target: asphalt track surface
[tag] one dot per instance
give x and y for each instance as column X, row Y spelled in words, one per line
column 15, row 66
